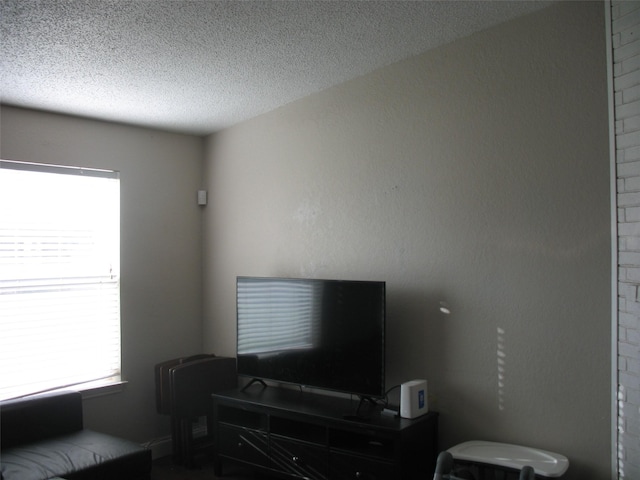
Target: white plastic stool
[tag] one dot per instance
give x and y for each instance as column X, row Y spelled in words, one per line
column 545, row 464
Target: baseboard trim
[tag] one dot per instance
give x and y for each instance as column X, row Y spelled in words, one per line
column 163, row 446
column 160, row 447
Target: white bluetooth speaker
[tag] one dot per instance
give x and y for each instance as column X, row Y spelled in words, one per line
column 413, row 399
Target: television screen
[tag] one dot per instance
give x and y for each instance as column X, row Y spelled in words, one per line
column 326, row 334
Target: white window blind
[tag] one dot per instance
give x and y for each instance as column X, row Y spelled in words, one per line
column 59, row 277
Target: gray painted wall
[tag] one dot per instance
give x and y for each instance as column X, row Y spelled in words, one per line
column 475, row 175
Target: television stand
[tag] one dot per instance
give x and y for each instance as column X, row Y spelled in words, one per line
column 369, row 403
column 297, row 434
column 254, row 380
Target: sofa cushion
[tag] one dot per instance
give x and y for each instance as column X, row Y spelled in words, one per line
column 79, row 455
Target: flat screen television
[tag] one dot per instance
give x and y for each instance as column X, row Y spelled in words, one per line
column 327, row 334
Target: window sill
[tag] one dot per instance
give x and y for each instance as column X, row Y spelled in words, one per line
column 100, row 388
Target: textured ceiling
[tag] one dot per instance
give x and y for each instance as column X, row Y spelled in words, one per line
column 200, row 66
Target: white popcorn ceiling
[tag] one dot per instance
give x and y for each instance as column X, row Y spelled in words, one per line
column 200, row 66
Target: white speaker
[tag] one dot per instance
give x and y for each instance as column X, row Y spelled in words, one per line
column 413, row 399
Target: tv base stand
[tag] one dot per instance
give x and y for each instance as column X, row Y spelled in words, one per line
column 254, row 381
column 298, row 434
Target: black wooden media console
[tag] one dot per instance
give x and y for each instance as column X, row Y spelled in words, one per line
column 298, row 434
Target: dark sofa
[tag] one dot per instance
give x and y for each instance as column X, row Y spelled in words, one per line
column 43, row 437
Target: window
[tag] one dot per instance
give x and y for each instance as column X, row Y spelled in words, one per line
column 59, row 277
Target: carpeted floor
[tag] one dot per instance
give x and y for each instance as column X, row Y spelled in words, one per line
column 164, row 469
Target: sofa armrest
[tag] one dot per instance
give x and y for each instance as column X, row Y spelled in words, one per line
column 39, row 417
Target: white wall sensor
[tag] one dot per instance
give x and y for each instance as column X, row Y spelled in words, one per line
column 202, row 197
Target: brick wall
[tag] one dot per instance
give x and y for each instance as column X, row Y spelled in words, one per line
column 625, row 31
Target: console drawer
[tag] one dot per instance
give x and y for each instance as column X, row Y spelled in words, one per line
column 305, row 460
column 352, row 467
column 250, row 446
